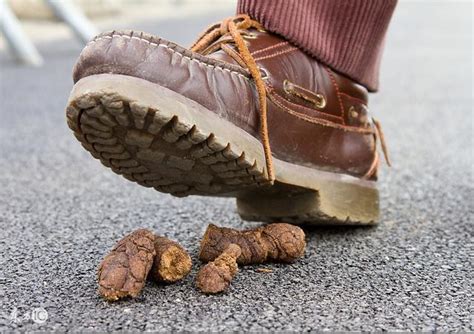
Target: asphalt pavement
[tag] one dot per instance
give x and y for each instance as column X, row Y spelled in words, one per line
column 61, row 211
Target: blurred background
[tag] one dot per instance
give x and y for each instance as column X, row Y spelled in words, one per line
column 41, row 21
column 60, row 210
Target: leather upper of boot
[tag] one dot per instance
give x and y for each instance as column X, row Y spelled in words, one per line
column 316, row 117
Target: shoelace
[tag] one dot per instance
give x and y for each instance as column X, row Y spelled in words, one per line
column 379, row 135
column 236, row 27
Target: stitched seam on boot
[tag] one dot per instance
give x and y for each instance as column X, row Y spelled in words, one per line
column 354, row 98
column 269, row 48
column 170, row 48
column 336, row 87
column 276, row 54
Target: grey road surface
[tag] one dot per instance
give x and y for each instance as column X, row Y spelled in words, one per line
column 61, row 211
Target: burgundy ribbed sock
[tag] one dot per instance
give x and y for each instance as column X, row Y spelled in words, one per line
column 347, row 35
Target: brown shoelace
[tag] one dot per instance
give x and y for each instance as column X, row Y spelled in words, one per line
column 232, row 30
column 379, row 135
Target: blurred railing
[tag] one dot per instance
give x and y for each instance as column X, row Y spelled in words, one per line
column 74, row 13
column 19, row 42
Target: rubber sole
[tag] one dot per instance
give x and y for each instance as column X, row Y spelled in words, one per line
column 160, row 139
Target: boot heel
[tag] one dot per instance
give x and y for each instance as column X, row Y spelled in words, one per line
column 308, row 196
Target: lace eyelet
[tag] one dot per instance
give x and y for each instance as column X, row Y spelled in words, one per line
column 322, row 101
column 250, row 35
column 285, row 86
column 263, row 73
column 353, row 113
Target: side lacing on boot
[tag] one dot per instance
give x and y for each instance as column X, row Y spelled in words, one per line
column 232, row 30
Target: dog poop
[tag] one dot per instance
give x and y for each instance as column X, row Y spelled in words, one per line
column 216, row 276
column 124, row 270
column 172, row 262
column 279, row 242
column 122, row 273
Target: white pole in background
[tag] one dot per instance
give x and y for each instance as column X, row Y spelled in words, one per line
column 17, row 40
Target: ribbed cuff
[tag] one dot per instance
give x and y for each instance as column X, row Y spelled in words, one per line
column 347, row 35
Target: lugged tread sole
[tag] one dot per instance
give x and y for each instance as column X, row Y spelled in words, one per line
column 160, row 139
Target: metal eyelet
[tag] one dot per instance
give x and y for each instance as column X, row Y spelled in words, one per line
column 286, row 83
column 250, row 35
column 322, row 101
column 263, row 73
column 319, row 101
column 353, row 113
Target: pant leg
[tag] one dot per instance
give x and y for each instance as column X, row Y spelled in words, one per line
column 347, row 35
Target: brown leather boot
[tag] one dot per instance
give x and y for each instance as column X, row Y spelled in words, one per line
column 242, row 113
